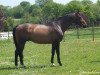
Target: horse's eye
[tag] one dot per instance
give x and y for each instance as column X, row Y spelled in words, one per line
column 80, row 17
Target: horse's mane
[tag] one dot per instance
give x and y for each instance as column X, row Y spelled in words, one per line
column 65, row 16
column 62, row 18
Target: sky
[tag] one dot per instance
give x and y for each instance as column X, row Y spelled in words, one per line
column 13, row 3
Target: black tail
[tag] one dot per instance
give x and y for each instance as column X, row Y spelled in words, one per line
column 14, row 36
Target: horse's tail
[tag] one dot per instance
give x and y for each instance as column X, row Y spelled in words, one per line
column 14, row 36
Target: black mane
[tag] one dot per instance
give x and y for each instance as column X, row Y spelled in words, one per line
column 70, row 16
column 66, row 17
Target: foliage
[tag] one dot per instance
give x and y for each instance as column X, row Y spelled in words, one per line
column 24, row 4
column 87, row 2
column 74, row 6
column 96, row 9
column 46, row 10
column 41, row 3
column 52, row 11
column 2, row 17
column 8, row 24
column 18, row 12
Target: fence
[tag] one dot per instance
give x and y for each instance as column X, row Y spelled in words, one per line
column 5, row 35
column 91, row 32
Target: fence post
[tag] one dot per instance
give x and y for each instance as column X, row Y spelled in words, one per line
column 93, row 30
column 8, row 35
column 77, row 31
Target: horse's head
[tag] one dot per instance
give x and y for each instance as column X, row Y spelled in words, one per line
column 77, row 18
column 80, row 19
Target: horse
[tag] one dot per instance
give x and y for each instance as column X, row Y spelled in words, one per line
column 52, row 33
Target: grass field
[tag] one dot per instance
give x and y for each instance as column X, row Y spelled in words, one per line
column 78, row 56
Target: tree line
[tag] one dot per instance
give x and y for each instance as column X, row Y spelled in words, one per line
column 46, row 10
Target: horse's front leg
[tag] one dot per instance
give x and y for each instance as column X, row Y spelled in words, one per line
column 58, row 53
column 53, row 53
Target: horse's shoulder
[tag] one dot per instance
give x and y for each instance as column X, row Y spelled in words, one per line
column 57, row 28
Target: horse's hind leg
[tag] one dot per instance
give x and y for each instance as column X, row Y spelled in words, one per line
column 22, row 44
column 16, row 58
column 19, row 52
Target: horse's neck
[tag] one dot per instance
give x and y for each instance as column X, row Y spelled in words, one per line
column 65, row 26
column 66, row 23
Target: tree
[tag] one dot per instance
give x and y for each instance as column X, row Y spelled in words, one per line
column 52, row 11
column 88, row 9
column 35, row 14
column 9, row 12
column 24, row 3
column 1, row 18
column 89, row 12
column 35, row 10
column 18, row 12
column 87, row 2
column 96, row 9
column 41, row 3
column 8, row 24
column 98, row 2
column 26, row 6
column 74, row 6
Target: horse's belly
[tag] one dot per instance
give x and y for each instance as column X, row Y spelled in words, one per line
column 42, row 40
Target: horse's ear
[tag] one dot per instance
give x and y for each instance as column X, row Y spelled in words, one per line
column 77, row 13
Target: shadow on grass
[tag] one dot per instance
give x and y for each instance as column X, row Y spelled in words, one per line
column 36, row 66
column 41, row 66
column 7, row 68
column 27, row 67
column 95, row 61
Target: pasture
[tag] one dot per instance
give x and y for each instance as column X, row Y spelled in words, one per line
column 78, row 56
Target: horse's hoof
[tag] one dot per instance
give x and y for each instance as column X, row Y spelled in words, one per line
column 53, row 65
column 24, row 66
column 60, row 64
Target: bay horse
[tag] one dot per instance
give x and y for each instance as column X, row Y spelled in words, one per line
column 52, row 33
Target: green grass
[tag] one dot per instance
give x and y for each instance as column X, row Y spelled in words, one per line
column 77, row 55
